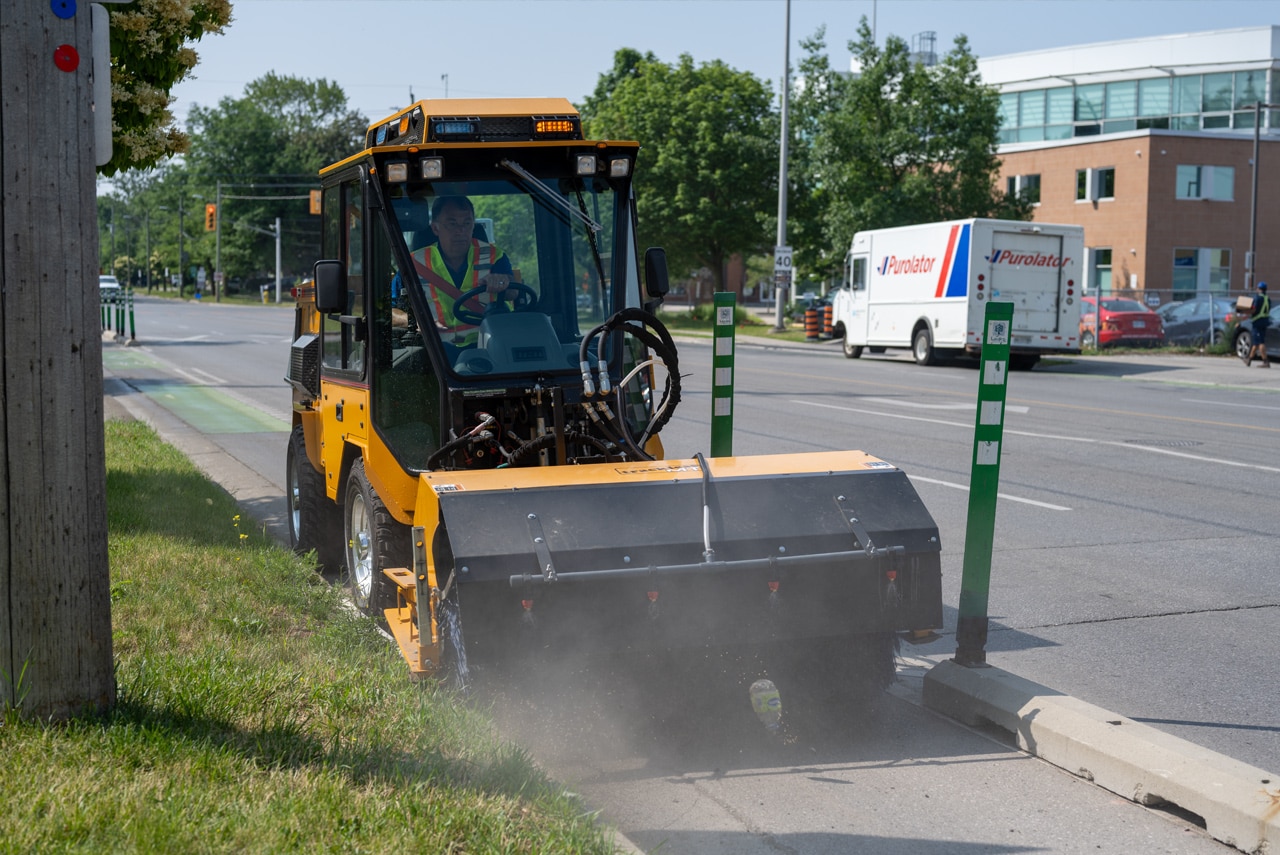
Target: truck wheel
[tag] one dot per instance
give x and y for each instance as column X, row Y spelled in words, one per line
column 375, row 541
column 922, row 347
column 313, row 519
column 1087, row 340
column 851, row 351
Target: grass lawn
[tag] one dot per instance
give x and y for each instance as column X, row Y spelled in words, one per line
column 256, row 713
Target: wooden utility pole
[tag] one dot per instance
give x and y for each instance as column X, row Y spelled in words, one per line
column 55, row 614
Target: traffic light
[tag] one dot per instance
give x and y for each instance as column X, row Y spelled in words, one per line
column 210, row 217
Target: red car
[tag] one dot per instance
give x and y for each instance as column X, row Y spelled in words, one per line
column 1124, row 322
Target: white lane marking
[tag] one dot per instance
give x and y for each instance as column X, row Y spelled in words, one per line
column 1223, row 404
column 998, row 495
column 954, row 405
column 1218, row 461
column 213, row 378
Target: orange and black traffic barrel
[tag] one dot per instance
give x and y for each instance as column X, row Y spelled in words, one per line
column 811, row 324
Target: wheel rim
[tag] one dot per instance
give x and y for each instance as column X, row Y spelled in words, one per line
column 922, row 347
column 295, row 500
column 359, row 548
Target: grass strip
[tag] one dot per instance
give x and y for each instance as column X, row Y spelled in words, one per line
column 256, row 713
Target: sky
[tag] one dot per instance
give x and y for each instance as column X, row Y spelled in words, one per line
column 382, row 52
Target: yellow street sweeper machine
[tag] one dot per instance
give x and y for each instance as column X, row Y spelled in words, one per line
column 479, row 386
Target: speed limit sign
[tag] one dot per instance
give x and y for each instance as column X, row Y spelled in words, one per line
column 782, row 259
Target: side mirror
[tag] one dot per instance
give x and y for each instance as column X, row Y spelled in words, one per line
column 331, row 286
column 656, row 284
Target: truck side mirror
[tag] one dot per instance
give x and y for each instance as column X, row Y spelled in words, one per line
column 331, row 286
column 656, row 284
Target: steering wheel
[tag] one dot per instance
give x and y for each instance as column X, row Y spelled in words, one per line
column 526, row 300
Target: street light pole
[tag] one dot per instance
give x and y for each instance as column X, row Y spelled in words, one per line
column 147, row 261
column 182, row 275
column 779, row 287
column 1251, row 258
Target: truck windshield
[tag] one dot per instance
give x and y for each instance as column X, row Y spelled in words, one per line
column 507, row 272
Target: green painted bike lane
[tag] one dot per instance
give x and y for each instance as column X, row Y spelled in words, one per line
column 204, row 407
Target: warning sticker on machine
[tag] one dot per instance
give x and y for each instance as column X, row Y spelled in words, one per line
column 645, row 470
column 447, row 488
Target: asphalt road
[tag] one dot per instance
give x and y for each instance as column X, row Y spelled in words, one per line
column 1134, row 568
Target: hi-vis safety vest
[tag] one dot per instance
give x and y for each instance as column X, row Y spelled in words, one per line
column 1264, row 311
column 444, row 292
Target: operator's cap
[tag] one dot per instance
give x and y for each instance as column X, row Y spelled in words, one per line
column 1262, row 286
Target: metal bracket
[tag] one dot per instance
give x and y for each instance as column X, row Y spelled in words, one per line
column 541, row 550
column 855, row 525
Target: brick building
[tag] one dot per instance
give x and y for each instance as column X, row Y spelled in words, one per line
column 1148, row 144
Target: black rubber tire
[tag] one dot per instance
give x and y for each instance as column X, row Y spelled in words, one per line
column 922, row 347
column 1243, row 343
column 374, row 542
column 1087, row 341
column 1023, row 361
column 851, row 351
column 313, row 520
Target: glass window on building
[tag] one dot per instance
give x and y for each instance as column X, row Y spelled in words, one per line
column 1031, row 108
column 1205, row 182
column 1217, row 93
column 1186, row 273
column 1186, row 95
column 1025, row 185
column 1251, row 86
column 1188, row 182
column 1122, row 99
column 1009, row 110
column 1219, row 270
column 1100, row 269
column 1089, row 102
column 1059, row 111
column 1094, row 184
column 1153, row 97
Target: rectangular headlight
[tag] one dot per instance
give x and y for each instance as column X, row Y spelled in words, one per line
column 398, row 172
column 619, row 167
column 432, row 168
column 586, row 164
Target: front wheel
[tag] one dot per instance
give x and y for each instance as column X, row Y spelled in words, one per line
column 851, row 350
column 1087, row 341
column 313, row 519
column 375, row 541
column 922, row 347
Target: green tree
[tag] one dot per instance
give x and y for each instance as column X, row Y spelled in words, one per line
column 706, row 175
column 267, row 149
column 150, row 53
column 898, row 143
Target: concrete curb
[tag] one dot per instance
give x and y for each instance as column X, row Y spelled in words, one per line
column 1240, row 804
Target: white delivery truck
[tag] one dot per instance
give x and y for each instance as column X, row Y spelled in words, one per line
column 926, row 288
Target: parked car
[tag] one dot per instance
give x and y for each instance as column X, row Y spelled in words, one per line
column 1188, row 322
column 1124, row 322
column 1242, row 339
column 107, row 282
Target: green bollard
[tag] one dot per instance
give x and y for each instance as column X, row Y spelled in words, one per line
column 984, row 484
column 722, row 376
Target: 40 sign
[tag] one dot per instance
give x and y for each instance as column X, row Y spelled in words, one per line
column 781, row 259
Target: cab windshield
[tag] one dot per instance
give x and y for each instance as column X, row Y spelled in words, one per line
column 509, row 271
